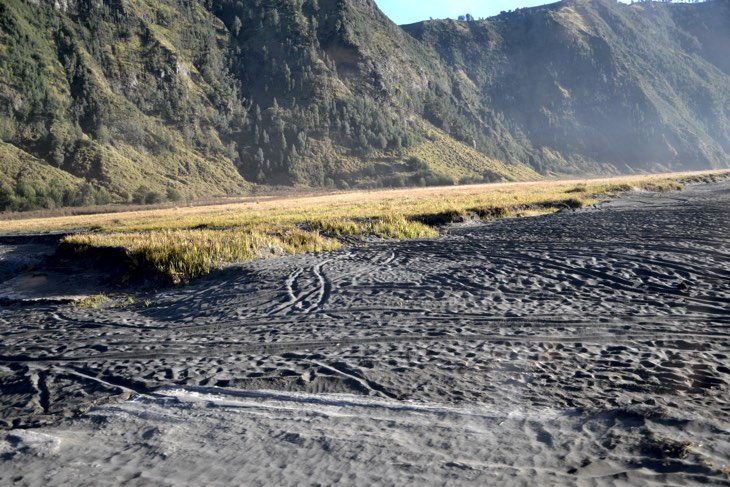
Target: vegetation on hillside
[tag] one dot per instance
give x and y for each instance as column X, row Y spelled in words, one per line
column 599, row 84
column 154, row 100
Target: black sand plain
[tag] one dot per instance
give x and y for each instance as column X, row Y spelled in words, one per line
column 615, row 319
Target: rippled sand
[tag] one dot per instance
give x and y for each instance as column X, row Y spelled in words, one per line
column 605, row 331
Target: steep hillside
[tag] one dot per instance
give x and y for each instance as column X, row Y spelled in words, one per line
column 182, row 98
column 146, row 100
column 123, row 95
column 596, row 83
column 340, row 95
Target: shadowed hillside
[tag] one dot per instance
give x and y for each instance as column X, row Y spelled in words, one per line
column 643, row 86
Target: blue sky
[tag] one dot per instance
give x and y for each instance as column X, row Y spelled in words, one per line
column 409, row 11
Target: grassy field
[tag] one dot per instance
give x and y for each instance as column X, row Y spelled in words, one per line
column 188, row 242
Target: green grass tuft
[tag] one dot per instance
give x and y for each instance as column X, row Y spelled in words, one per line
column 92, row 301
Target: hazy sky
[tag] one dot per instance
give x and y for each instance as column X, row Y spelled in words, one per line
column 409, row 11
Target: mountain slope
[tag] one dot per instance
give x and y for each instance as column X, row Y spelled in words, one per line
column 339, row 95
column 100, row 93
column 147, row 99
column 643, row 86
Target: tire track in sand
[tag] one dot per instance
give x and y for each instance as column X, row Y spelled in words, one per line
column 298, row 294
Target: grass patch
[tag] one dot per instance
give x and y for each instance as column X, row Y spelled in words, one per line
column 185, row 243
column 92, row 302
column 389, row 226
column 581, row 188
column 187, row 254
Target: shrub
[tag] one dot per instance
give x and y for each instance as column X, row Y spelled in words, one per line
column 173, row 194
column 7, row 197
column 153, row 198
column 416, row 164
column 145, row 196
column 140, row 195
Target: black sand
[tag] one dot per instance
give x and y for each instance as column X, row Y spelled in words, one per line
column 620, row 313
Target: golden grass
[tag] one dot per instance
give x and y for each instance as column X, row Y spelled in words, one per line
column 92, row 301
column 188, row 242
column 350, row 205
column 388, row 226
column 186, row 254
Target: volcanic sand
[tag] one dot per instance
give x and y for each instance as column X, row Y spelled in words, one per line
column 585, row 347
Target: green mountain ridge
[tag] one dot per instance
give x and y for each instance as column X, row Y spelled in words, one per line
column 143, row 100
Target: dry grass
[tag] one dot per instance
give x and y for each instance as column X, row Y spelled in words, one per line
column 185, row 243
column 408, row 203
column 92, row 301
column 388, row 226
column 186, row 254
